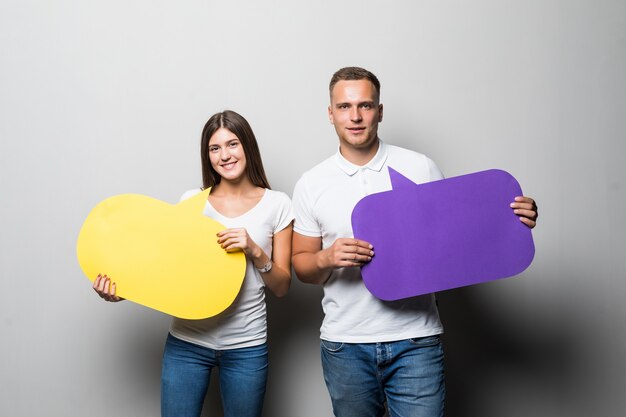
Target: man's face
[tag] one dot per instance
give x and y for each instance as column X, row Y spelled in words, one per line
column 355, row 112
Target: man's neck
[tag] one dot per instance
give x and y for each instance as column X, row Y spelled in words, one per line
column 358, row 156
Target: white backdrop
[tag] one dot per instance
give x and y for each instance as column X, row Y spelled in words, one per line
column 102, row 98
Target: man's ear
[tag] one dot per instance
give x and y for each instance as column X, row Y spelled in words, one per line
column 330, row 115
column 380, row 112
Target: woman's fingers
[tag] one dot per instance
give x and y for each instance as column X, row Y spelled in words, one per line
column 105, row 288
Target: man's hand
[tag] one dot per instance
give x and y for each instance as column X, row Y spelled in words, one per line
column 526, row 209
column 346, row 252
column 314, row 265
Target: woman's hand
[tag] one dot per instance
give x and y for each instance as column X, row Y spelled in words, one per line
column 105, row 288
column 235, row 239
column 277, row 279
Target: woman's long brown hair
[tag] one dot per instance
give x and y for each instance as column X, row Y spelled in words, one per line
column 240, row 127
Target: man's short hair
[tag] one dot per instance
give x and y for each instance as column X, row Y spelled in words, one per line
column 353, row 73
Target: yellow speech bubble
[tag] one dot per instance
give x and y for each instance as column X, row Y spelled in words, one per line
column 160, row 255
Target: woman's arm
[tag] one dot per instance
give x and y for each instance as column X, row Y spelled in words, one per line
column 278, row 279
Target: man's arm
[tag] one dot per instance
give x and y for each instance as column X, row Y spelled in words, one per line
column 313, row 265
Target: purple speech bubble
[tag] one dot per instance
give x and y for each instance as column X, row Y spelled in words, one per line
column 443, row 234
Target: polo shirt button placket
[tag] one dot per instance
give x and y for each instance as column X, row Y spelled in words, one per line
column 362, row 175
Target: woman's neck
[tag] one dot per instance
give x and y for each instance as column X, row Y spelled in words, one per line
column 235, row 199
column 241, row 188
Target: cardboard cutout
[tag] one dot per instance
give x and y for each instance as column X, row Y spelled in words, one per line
column 160, row 255
column 442, row 234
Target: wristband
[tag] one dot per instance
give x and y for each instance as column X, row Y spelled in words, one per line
column 265, row 268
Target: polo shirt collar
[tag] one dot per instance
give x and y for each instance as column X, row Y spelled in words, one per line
column 374, row 164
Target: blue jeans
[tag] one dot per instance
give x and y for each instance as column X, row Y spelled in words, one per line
column 187, row 369
column 407, row 374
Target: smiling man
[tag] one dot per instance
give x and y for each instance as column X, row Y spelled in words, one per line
column 373, row 352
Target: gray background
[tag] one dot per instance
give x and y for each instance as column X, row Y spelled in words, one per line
column 102, row 98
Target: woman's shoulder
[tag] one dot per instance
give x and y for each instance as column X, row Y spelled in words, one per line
column 278, row 196
column 281, row 208
column 189, row 193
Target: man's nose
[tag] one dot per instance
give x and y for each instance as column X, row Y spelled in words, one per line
column 355, row 114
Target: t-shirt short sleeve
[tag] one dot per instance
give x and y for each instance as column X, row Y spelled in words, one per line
column 305, row 222
column 284, row 212
column 189, row 194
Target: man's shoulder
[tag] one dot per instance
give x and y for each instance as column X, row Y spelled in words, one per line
column 395, row 151
column 316, row 181
column 326, row 167
column 412, row 164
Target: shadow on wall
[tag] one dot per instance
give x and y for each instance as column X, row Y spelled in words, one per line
column 293, row 336
column 295, row 368
column 499, row 362
column 495, row 361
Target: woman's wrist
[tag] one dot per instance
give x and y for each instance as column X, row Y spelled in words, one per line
column 259, row 258
column 267, row 267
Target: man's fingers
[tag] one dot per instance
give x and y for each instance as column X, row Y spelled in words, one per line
column 525, row 213
column 524, row 199
column 357, row 257
column 354, row 243
column 528, row 222
column 362, row 244
column 525, row 203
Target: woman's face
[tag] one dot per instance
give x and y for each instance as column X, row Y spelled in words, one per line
column 227, row 156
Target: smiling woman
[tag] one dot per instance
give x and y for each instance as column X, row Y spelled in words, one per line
column 259, row 224
column 232, row 126
column 226, row 153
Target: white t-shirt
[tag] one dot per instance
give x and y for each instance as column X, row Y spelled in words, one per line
column 244, row 323
column 323, row 200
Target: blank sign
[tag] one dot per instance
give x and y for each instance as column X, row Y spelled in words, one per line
column 443, row 234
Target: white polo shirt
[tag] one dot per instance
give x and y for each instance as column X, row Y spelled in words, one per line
column 323, row 201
